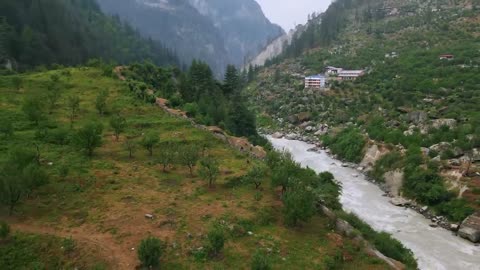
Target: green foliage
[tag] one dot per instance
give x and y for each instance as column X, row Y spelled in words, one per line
column 89, row 137
column 130, row 146
column 19, row 176
column 149, row 252
column 256, row 175
column 4, row 230
column 216, row 240
column 149, row 141
column 68, row 244
column 6, row 127
column 260, row 261
column 188, row 155
column 118, row 124
column 76, row 31
column 53, row 92
column 265, row 216
column 389, row 162
column 167, row 155
column 299, row 205
column 33, row 109
column 455, row 210
column 73, row 104
column 101, row 102
column 209, row 170
column 348, row 144
column 386, row 244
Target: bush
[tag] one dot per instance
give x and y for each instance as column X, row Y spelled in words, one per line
column 455, row 210
column 260, row 261
column 348, row 144
column 382, row 241
column 265, row 216
column 216, row 240
column 4, row 229
column 149, row 252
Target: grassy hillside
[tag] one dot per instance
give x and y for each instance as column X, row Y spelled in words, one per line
column 101, row 201
column 409, row 99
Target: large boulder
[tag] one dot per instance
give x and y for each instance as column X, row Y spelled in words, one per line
column 476, row 154
column 417, row 117
column 438, row 123
column 470, row 228
column 373, row 154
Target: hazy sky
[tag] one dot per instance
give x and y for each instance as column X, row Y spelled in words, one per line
column 288, row 13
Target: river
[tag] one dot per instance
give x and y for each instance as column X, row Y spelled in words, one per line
column 434, row 248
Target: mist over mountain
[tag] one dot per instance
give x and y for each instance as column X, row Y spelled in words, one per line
column 215, row 31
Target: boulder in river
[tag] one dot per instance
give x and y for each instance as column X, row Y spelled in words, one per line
column 277, row 135
column 399, row 201
column 470, row 228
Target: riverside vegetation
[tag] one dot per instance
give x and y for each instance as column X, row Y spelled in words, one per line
column 423, row 109
column 95, row 176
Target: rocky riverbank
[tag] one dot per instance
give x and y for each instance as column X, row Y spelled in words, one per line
column 465, row 229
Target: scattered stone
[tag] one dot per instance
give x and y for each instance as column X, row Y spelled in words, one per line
column 250, row 233
column 438, row 123
column 355, row 175
column 149, row 216
column 454, row 227
column 424, row 209
column 433, row 225
column 277, row 135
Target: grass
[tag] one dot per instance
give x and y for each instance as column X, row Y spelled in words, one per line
column 31, row 251
column 105, row 198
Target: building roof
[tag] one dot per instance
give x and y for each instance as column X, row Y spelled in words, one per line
column 357, row 72
column 317, row 76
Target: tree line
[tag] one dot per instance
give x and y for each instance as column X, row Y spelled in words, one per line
column 69, row 32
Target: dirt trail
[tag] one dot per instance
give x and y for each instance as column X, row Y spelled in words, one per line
column 116, row 255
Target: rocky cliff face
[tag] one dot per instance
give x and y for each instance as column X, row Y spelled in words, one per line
column 244, row 27
column 218, row 32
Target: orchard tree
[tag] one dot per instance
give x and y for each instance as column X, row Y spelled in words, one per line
column 188, row 156
column 33, row 109
column 19, row 176
column 89, row 137
column 149, row 141
column 73, row 103
column 130, row 145
column 166, row 155
column 118, row 124
column 209, row 170
column 257, row 175
column 53, row 92
column 101, row 102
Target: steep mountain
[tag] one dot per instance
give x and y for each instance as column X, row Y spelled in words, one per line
column 44, row 32
column 242, row 24
column 416, row 106
column 217, row 32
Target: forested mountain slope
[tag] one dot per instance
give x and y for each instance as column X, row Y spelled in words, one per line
column 423, row 109
column 69, row 32
column 217, row 32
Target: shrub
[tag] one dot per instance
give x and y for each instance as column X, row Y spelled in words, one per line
column 260, row 261
column 149, row 252
column 265, row 216
column 4, row 229
column 348, row 144
column 216, row 240
column 68, row 244
column 456, row 210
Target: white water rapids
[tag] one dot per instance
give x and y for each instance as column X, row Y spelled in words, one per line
column 434, row 248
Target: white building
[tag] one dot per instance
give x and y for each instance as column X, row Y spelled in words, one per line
column 350, row 74
column 316, row 81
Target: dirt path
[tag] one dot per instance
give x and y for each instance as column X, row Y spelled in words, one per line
column 116, row 255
